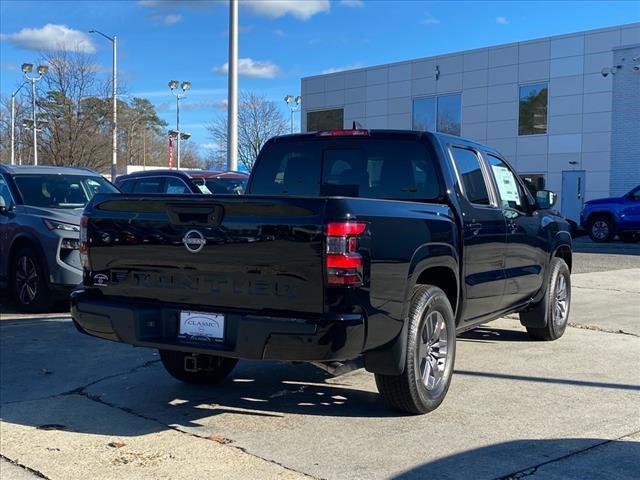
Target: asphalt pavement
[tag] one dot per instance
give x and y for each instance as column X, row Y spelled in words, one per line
column 72, row 406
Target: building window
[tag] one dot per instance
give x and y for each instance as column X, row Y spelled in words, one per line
column 534, row 182
column 325, row 120
column 533, row 109
column 441, row 114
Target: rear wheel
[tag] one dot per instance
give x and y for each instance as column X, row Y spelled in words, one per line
column 30, row 288
column 553, row 310
column 196, row 368
column 601, row 229
column 431, row 349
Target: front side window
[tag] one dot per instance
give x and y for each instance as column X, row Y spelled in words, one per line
column 468, row 164
column 325, row 120
column 533, row 109
column 226, row 186
column 441, row 114
column 509, row 190
column 60, row 191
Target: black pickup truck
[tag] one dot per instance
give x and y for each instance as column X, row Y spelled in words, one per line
column 349, row 244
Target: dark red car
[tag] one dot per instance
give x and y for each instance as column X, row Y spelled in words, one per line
column 183, row 181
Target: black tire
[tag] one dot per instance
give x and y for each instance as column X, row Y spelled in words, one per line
column 629, row 237
column 29, row 282
column 547, row 311
column 211, row 369
column 407, row 392
column 602, row 228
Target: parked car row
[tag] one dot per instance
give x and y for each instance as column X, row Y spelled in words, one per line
column 40, row 211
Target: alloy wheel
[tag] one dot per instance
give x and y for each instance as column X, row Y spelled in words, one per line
column 433, row 351
column 600, row 229
column 26, row 280
column 561, row 301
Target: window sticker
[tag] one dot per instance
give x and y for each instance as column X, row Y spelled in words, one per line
column 506, row 184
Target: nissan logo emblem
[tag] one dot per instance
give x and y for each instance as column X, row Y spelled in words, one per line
column 194, row 241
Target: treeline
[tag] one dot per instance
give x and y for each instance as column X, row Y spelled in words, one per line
column 74, row 100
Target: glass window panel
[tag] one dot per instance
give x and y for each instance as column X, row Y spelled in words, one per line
column 509, row 191
column 533, row 109
column 424, row 114
column 325, row 120
column 449, row 108
column 468, row 163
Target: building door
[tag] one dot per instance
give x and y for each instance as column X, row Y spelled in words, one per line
column 573, row 188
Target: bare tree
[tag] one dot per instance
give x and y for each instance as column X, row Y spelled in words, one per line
column 259, row 119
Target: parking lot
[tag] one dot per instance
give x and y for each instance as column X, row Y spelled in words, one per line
column 77, row 407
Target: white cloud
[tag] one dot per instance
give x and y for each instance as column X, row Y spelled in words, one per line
column 172, row 19
column 251, row 68
column 210, row 146
column 51, row 37
column 278, row 32
column 502, row 20
column 166, row 20
column 301, row 9
column 429, row 19
column 341, row 69
column 352, row 3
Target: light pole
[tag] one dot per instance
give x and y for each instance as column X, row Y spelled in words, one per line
column 114, row 81
column 232, row 91
column 294, row 105
column 184, row 86
column 27, row 68
column 13, row 122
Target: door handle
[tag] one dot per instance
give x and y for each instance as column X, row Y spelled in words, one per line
column 474, row 227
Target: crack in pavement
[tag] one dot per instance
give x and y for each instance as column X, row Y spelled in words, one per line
column 527, row 472
column 605, row 289
column 24, row 467
column 81, row 391
column 596, row 328
column 75, row 390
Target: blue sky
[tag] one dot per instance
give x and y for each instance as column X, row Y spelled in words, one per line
column 280, row 40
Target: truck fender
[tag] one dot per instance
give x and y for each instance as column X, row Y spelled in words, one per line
column 390, row 358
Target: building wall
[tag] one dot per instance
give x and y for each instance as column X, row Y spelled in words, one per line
column 579, row 108
column 625, row 137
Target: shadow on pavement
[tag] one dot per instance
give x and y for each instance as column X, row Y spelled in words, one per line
column 616, row 247
column 568, row 459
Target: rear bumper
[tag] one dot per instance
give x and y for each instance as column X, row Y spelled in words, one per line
column 247, row 336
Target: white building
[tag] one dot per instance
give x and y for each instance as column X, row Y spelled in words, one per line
column 565, row 110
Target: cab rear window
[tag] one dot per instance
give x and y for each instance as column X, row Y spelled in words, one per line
column 370, row 168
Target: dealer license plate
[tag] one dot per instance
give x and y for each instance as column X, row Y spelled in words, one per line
column 201, row 326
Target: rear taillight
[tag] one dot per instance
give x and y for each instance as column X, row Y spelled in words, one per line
column 84, row 243
column 343, row 263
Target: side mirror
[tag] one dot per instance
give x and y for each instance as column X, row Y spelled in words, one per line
column 546, row 198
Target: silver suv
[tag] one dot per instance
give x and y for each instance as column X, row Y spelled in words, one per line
column 40, row 211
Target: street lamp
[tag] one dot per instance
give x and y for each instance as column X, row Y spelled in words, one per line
column 27, row 68
column 294, row 104
column 114, row 153
column 179, row 93
column 13, row 122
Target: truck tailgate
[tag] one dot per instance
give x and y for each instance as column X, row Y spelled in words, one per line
column 261, row 253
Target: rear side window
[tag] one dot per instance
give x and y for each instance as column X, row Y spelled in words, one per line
column 371, row 168
column 148, row 185
column 473, row 183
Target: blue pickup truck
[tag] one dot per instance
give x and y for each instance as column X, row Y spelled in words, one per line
column 605, row 218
